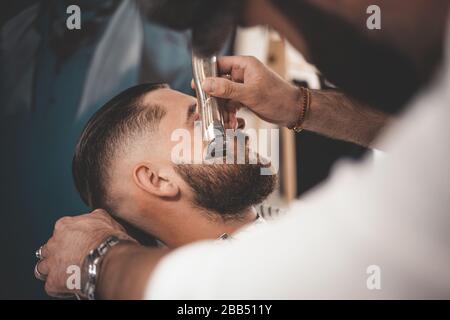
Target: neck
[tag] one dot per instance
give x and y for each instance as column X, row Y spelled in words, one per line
column 179, row 226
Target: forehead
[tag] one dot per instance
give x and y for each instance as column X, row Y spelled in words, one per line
column 176, row 105
column 171, row 100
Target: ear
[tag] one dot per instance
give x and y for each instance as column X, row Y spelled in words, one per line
column 156, row 181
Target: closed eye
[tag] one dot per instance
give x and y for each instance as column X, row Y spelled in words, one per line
column 191, row 112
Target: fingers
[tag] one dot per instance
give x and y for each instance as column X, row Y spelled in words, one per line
column 53, row 289
column 240, row 123
column 234, row 87
column 38, row 271
column 43, row 267
column 44, row 251
column 235, row 66
column 102, row 215
column 229, row 109
column 100, row 212
column 229, row 119
column 223, row 88
column 225, row 76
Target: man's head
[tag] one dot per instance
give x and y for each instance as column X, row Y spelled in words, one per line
column 381, row 67
column 123, row 163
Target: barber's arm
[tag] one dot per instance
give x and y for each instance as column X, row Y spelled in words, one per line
column 123, row 271
column 331, row 113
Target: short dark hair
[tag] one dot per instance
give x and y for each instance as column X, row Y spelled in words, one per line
column 109, row 128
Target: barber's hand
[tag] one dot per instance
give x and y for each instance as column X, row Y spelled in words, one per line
column 72, row 239
column 255, row 86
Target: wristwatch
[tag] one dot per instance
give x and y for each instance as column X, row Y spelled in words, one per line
column 91, row 267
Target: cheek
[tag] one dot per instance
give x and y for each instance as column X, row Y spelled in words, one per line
column 167, row 140
column 184, row 145
column 165, row 150
column 184, row 188
column 195, row 143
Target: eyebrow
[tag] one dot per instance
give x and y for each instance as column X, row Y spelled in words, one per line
column 191, row 111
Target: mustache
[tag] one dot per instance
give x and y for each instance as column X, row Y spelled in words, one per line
column 237, row 150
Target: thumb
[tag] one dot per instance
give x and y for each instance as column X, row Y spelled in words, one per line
column 223, row 88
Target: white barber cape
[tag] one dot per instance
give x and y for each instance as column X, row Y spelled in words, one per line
column 370, row 232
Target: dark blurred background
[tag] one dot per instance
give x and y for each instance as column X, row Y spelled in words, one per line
column 51, row 81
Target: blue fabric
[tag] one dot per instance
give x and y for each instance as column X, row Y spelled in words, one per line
column 38, row 141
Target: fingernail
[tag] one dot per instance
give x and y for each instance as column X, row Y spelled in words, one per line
column 208, row 85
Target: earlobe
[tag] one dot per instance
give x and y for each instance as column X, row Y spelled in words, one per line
column 154, row 181
column 168, row 188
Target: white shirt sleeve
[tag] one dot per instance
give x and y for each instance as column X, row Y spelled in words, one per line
column 370, row 232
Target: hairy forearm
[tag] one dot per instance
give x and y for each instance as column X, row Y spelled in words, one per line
column 335, row 115
column 126, row 270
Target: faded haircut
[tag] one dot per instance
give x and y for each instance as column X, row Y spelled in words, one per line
column 108, row 130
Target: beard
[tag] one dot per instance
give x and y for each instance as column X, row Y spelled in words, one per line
column 227, row 189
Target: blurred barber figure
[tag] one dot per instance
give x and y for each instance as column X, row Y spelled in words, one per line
column 369, row 232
